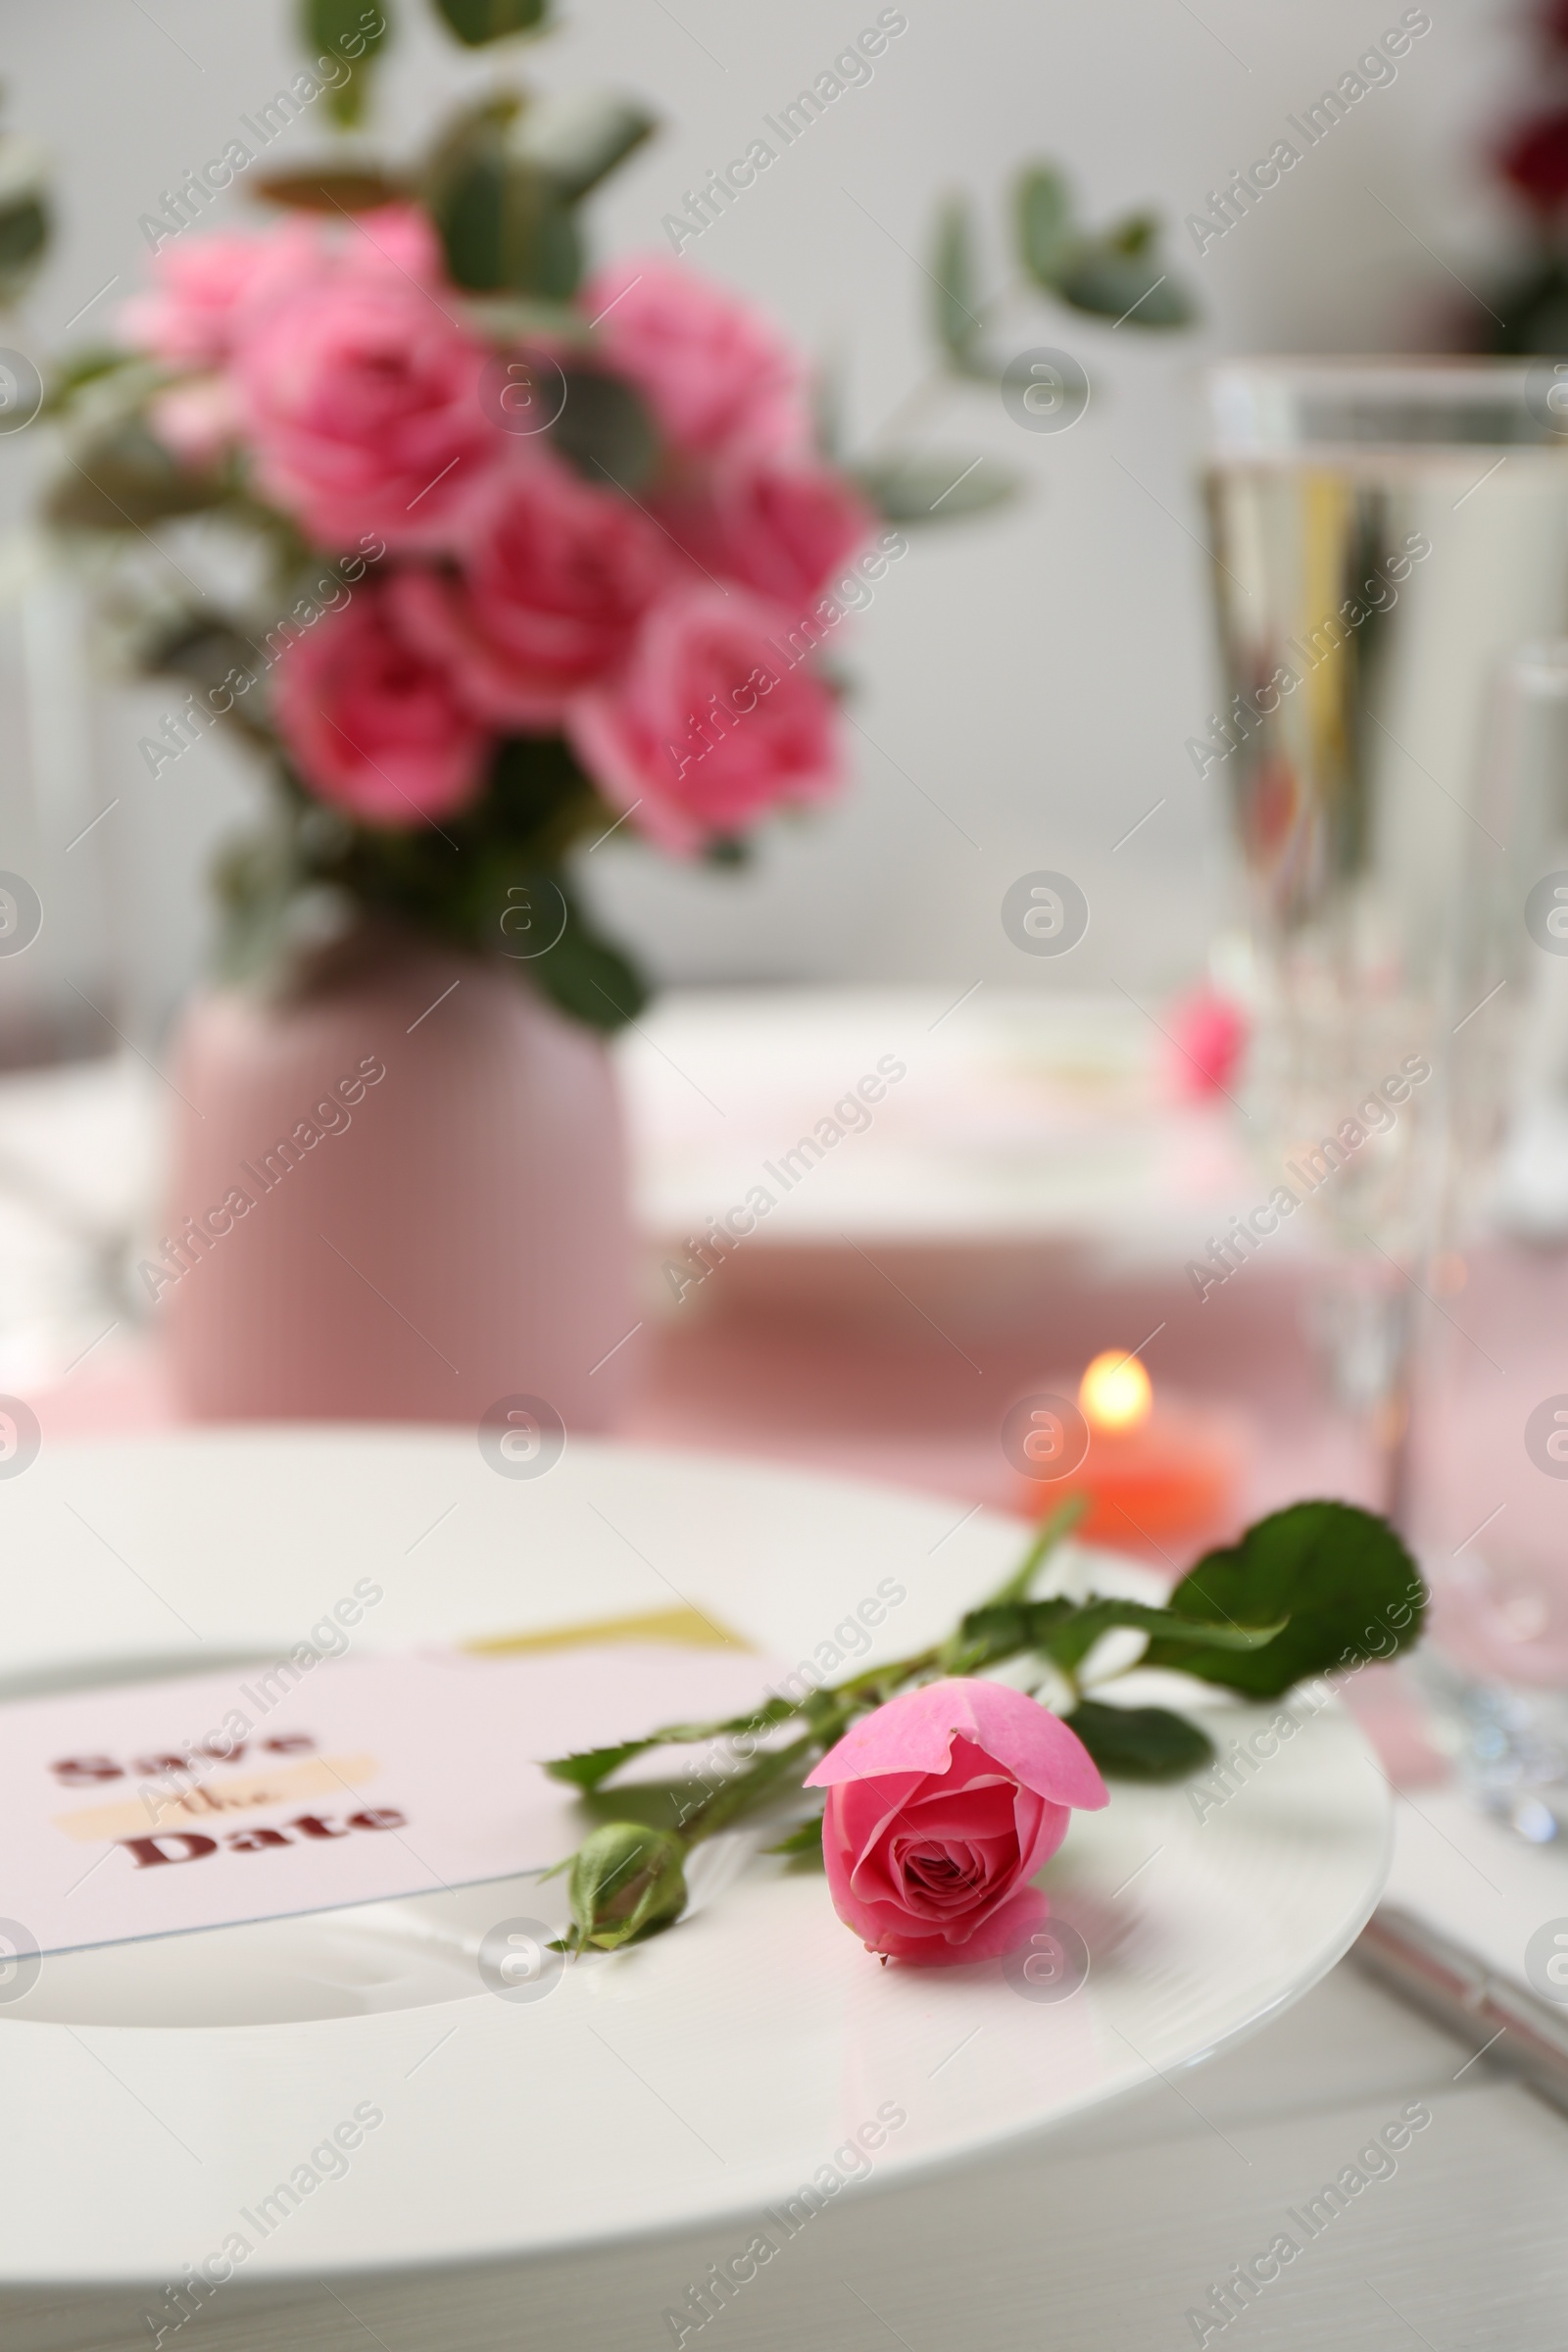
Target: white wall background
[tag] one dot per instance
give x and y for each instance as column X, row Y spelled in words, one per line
column 1035, row 675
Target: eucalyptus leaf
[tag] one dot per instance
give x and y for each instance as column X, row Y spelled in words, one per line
column 1140, row 1743
column 1341, row 1577
column 25, row 215
column 476, row 22
column 505, row 225
column 577, row 142
column 935, row 488
column 1042, row 218
column 1110, row 280
column 357, row 189
column 23, row 238
column 350, row 30
column 956, row 302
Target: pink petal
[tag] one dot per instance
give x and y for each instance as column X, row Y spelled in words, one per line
column 1005, row 1931
column 915, row 1733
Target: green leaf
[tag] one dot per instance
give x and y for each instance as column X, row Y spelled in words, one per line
column 358, row 190
column 807, row 1839
column 350, row 30
column 596, row 1764
column 477, row 21
column 503, row 223
column 89, row 367
column 1066, row 1631
column 1048, row 1535
column 1001, row 1629
column 827, row 412
column 934, row 488
column 1140, row 1743
column 1068, row 1644
column 605, row 431
column 1122, row 277
column 590, row 1766
column 1341, row 1577
column 1043, row 216
column 956, row 297
column 588, row 978
column 802, row 1847
column 123, row 480
column 25, row 215
column 577, row 142
column 23, row 236
column 538, row 797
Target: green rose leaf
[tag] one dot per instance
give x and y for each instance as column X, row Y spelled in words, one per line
column 592, row 1765
column 1068, row 1644
column 476, row 22
column 1066, row 1631
column 803, row 1846
column 935, row 488
column 1342, row 1578
column 596, row 1764
column 605, row 431
column 1140, row 1743
column 352, row 31
column 588, row 978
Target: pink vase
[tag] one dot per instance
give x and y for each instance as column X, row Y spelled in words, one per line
column 400, row 1197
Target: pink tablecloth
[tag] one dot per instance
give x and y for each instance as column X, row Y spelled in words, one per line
column 897, row 1397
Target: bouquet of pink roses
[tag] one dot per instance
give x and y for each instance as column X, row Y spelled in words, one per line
column 544, row 552
column 491, row 637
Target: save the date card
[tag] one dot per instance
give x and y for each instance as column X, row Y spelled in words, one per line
column 156, row 1807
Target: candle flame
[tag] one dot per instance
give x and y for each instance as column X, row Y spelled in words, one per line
column 1114, row 1392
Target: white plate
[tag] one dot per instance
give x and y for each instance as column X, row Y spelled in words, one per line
column 707, row 2074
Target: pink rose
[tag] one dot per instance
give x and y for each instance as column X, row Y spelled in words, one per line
column 941, row 1807
column 713, row 371
column 201, row 291
column 783, row 527
column 710, row 724
column 362, row 396
column 553, row 584
column 371, row 723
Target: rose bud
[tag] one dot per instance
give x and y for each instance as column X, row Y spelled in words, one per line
column 626, row 1881
column 941, row 1807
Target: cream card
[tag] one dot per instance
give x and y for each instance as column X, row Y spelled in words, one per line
column 155, row 1807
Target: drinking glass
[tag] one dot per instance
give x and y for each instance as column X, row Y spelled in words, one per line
column 1382, row 532
column 1489, row 1485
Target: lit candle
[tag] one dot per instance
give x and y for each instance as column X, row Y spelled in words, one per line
column 1151, row 1471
